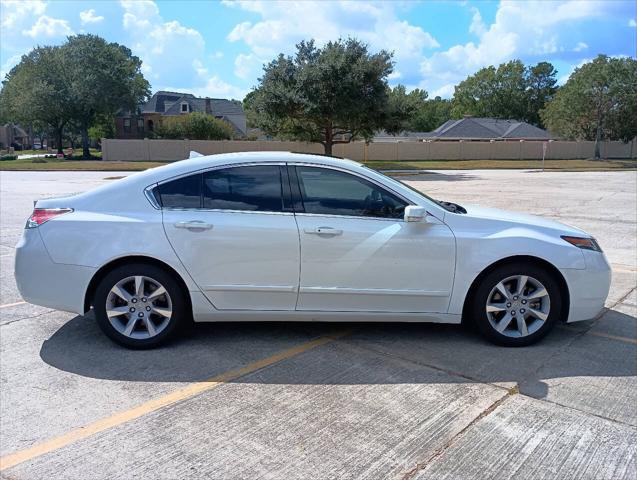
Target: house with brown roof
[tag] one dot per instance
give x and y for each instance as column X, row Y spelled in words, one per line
column 164, row 104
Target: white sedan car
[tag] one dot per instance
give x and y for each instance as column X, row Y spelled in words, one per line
column 282, row 236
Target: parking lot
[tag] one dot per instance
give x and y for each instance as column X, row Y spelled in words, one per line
column 330, row 401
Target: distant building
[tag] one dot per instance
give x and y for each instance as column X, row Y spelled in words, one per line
column 473, row 128
column 166, row 104
column 13, row 135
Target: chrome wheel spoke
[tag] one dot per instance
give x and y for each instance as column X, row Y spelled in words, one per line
column 504, row 323
column 495, row 307
column 522, row 279
column 521, row 324
column 160, row 291
column 164, row 312
column 538, row 314
column 139, row 286
column 538, row 293
column 121, row 293
column 117, row 311
column 503, row 290
column 130, row 326
column 150, row 327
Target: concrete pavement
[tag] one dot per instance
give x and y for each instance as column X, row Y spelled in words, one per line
column 379, row 401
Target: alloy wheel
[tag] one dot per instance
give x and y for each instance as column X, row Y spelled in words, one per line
column 139, row 307
column 518, row 306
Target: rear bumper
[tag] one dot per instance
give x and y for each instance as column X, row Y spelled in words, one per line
column 588, row 288
column 42, row 282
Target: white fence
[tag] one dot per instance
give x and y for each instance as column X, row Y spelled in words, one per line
column 169, row 150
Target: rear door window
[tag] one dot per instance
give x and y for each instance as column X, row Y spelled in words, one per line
column 255, row 188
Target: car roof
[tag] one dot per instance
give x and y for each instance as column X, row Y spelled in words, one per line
column 182, row 167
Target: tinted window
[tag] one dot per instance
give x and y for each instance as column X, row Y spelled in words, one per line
column 326, row 191
column 255, row 188
column 184, row 192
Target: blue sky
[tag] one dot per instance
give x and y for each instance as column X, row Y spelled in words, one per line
column 217, row 48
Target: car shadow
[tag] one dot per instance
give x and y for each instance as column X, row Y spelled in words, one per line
column 371, row 353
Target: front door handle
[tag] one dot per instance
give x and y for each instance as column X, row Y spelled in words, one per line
column 327, row 231
column 194, row 225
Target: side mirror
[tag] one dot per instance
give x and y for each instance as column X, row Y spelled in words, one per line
column 414, row 213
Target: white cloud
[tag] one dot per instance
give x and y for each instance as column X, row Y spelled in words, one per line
column 520, row 29
column 167, row 49
column 283, row 24
column 15, row 12
column 246, row 66
column 477, row 25
column 46, row 26
column 172, row 53
column 580, row 47
column 632, row 23
column 217, row 55
column 89, row 16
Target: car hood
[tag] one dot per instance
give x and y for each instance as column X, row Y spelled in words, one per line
column 522, row 219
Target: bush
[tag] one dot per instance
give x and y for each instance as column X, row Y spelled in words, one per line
column 196, row 126
column 8, row 157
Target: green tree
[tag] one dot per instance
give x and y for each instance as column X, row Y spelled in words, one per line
column 402, row 107
column 329, row 95
column 195, row 126
column 36, row 92
column 103, row 78
column 433, row 113
column 599, row 101
column 509, row 91
column 541, row 88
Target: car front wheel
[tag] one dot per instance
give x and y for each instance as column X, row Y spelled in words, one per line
column 139, row 305
column 517, row 304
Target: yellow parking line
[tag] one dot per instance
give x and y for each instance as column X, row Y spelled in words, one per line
column 189, row 391
column 613, row 337
column 6, row 305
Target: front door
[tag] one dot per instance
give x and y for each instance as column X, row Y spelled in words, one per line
column 357, row 253
column 231, row 230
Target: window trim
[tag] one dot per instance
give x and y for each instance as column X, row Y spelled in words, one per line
column 293, row 184
column 203, row 171
column 297, row 191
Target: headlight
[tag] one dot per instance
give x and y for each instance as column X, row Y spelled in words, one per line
column 585, row 243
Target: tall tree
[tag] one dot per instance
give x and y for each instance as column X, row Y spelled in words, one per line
column 541, row 88
column 36, row 92
column 432, row 113
column 330, row 95
column 599, row 101
column 509, row 91
column 402, row 107
column 104, row 78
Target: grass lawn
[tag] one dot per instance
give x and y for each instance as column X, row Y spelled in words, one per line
column 566, row 165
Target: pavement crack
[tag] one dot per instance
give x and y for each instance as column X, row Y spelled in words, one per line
column 441, row 450
column 422, row 364
column 25, row 318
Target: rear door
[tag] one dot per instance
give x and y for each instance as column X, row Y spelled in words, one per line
column 235, row 232
column 357, row 252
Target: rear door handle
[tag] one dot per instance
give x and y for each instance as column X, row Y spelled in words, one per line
column 194, row 225
column 327, row 231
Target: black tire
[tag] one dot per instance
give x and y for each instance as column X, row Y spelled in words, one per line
column 487, row 284
column 180, row 313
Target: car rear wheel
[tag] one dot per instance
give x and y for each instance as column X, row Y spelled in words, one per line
column 517, row 304
column 139, row 305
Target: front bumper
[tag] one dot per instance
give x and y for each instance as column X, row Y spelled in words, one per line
column 42, row 282
column 588, row 288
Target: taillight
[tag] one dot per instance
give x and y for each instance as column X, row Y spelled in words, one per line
column 42, row 215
